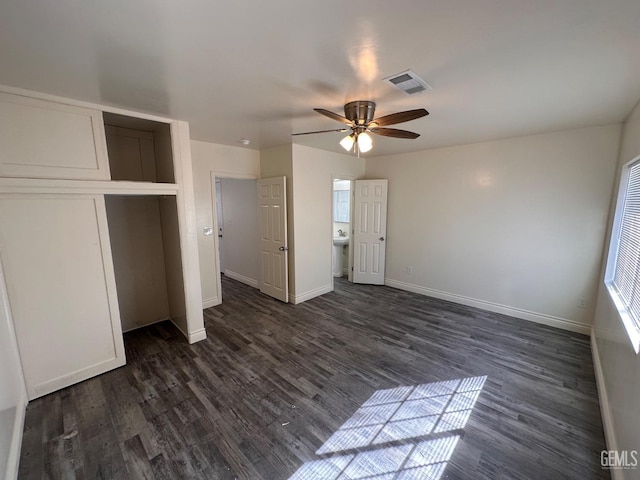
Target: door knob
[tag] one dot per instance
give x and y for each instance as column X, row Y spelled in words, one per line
column 382, row 239
column 283, row 249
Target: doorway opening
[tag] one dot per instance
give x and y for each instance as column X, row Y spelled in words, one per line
column 342, row 207
column 236, row 224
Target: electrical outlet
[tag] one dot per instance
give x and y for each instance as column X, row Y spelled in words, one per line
column 409, row 270
column 582, row 303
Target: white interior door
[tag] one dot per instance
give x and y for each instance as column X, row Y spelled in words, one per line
column 272, row 200
column 370, row 230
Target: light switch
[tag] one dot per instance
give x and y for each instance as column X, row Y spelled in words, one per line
column 207, row 230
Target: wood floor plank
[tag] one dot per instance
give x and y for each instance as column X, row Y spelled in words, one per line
column 274, row 382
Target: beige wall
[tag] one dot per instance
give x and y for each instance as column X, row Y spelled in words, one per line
column 618, row 362
column 226, row 161
column 313, row 173
column 514, row 225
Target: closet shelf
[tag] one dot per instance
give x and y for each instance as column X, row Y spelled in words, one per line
column 38, row 185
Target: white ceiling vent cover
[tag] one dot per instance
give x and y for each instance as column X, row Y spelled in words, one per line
column 409, row 82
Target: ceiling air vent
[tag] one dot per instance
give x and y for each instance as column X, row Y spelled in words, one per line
column 409, row 82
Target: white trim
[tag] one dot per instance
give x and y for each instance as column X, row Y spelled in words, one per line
column 233, row 175
column 536, row 317
column 346, row 270
column 194, row 336
column 13, row 460
column 211, row 302
column 316, row 292
column 38, row 186
column 216, row 232
column 187, row 230
column 78, row 376
column 625, row 316
column 605, row 409
column 197, row 336
column 213, row 174
column 241, row 278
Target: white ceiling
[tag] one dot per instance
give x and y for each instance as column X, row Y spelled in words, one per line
column 255, row 69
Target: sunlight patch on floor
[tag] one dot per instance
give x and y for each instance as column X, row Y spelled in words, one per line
column 403, row 433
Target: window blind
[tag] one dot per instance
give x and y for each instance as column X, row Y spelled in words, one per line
column 626, row 278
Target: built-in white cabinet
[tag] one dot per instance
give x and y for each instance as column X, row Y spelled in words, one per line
column 97, row 233
column 57, row 264
column 43, row 139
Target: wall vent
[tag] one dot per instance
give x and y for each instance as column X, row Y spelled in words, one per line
column 409, row 82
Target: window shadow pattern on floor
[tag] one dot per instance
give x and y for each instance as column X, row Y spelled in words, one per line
column 403, row 433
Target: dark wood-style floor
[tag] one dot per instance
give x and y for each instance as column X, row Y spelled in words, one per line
column 273, row 382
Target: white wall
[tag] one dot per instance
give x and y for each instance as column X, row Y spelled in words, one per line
column 226, row 161
column 514, row 225
column 616, row 360
column 241, row 230
column 13, row 396
column 313, row 173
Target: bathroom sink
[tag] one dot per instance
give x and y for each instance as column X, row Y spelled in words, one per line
column 340, row 241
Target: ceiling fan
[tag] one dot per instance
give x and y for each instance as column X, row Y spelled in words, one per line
column 359, row 117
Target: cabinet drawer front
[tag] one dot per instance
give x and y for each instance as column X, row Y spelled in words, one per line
column 42, row 139
column 61, row 288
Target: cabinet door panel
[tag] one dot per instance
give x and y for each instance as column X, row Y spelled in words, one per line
column 42, row 139
column 59, row 274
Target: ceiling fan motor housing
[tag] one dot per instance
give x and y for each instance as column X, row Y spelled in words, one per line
column 360, row 112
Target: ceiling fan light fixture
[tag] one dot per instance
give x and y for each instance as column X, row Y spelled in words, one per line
column 359, row 116
column 364, row 142
column 347, row 142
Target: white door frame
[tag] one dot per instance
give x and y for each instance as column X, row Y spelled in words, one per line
column 214, row 204
column 352, row 179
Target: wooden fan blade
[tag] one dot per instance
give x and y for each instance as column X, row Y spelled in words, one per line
column 333, row 116
column 394, row 132
column 400, row 117
column 323, row 131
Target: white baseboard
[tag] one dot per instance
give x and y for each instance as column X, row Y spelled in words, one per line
column 605, row 409
column 13, row 461
column 241, row 278
column 197, row 335
column 211, row 302
column 316, row 292
column 542, row 318
column 192, row 337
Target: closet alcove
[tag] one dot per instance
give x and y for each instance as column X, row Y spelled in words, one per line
column 97, row 233
column 144, row 229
